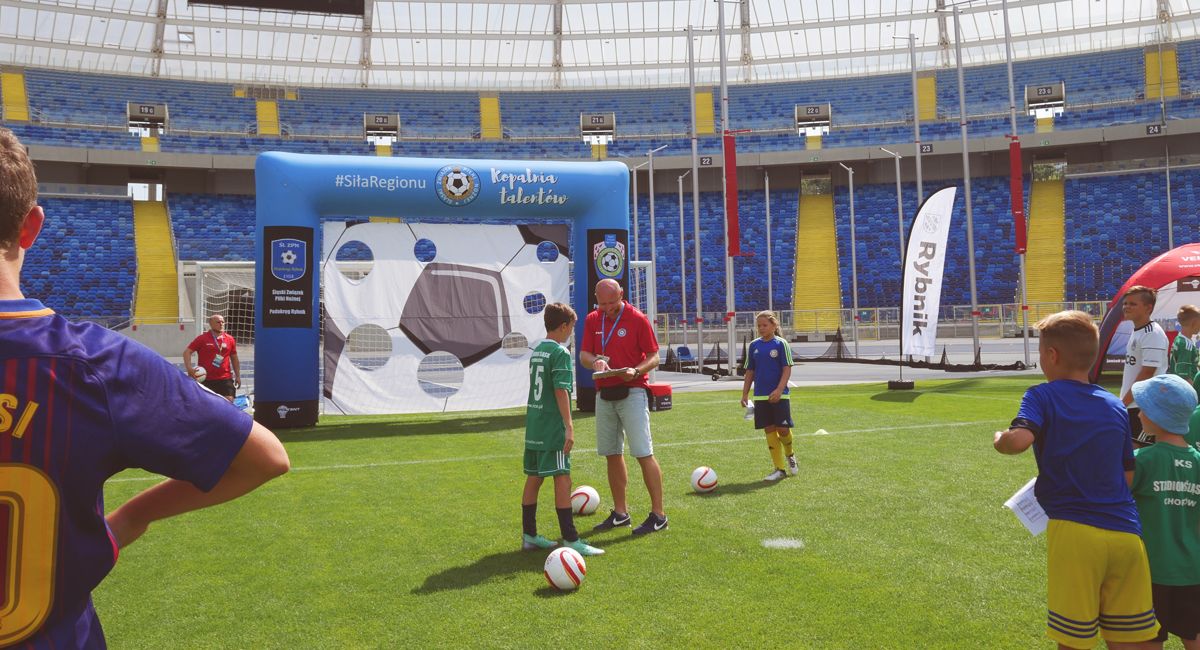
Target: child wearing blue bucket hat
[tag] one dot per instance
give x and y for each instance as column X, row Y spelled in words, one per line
column 1166, row 486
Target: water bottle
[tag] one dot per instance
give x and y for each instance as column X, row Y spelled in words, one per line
column 749, row 412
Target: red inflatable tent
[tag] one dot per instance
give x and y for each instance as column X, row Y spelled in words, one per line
column 1176, row 276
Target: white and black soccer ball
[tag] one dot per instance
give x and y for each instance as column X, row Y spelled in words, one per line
column 610, row 262
column 457, row 184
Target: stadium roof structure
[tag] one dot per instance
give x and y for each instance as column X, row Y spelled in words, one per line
column 545, row 44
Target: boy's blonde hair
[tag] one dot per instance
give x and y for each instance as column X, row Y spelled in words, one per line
column 769, row 315
column 1188, row 314
column 1074, row 335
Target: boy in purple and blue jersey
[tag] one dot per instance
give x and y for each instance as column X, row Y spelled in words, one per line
column 78, row 404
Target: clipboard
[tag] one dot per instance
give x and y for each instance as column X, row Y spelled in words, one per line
column 612, row 372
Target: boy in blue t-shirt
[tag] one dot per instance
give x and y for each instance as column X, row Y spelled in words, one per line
column 1098, row 577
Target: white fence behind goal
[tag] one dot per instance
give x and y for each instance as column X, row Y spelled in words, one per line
column 227, row 288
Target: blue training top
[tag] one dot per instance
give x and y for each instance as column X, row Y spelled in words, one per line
column 79, row 403
column 1083, row 448
column 767, row 359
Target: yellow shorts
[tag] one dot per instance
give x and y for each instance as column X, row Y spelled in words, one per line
column 1099, row 583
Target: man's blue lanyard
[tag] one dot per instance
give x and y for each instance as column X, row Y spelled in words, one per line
column 605, row 338
column 217, row 341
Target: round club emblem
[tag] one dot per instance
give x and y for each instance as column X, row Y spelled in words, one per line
column 456, row 185
column 774, row 353
column 621, row 332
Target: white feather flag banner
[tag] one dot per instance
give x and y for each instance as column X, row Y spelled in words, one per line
column 924, row 265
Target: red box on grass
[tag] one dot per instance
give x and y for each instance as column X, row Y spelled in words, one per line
column 660, row 396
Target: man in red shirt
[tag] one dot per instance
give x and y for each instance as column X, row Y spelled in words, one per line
column 217, row 352
column 615, row 336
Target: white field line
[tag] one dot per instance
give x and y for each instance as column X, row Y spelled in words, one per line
column 466, row 459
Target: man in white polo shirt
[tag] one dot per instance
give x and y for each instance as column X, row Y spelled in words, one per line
column 1146, row 355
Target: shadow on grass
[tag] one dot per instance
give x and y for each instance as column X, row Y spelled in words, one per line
column 497, row 565
column 424, row 426
column 551, row 592
column 956, row 386
column 897, row 396
column 410, row 425
column 732, row 489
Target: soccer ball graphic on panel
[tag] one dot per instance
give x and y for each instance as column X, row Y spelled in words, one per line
column 611, row 263
column 456, row 185
column 457, row 309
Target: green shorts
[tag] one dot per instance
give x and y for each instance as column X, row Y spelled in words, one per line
column 547, row 463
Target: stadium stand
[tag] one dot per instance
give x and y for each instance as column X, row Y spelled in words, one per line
column 1103, row 89
column 100, row 100
column 1103, row 221
column 1115, row 224
column 1105, row 242
column 213, row 227
column 84, row 263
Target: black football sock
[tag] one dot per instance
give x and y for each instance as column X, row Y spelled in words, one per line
column 529, row 519
column 566, row 524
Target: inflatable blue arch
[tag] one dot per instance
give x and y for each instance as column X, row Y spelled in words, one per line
column 294, row 192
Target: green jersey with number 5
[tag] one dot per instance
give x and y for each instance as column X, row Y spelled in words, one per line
column 550, row 367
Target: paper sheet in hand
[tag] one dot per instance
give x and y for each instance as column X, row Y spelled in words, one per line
column 609, row 373
column 1027, row 509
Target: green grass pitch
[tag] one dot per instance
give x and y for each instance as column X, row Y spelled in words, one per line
column 402, row 532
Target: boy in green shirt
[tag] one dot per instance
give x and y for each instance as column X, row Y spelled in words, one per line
column 550, row 433
column 1166, row 486
column 1184, row 359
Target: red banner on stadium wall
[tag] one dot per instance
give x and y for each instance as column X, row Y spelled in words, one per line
column 733, row 233
column 1017, row 193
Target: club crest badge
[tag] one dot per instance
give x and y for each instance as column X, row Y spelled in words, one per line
column 289, row 259
column 456, row 185
column 609, row 256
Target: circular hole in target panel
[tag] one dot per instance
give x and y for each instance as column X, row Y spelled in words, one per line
column 535, row 302
column 354, row 260
column 547, row 251
column 515, row 345
column 440, row 374
column 425, row 250
column 369, row 347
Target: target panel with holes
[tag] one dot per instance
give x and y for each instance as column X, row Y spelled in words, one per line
column 424, row 317
column 430, row 310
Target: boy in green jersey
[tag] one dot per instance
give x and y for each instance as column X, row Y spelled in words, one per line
column 1166, row 487
column 549, row 431
column 1184, row 359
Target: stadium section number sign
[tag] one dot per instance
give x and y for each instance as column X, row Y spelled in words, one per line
column 295, row 191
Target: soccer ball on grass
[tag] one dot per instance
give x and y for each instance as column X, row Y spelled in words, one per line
column 585, row 500
column 565, row 569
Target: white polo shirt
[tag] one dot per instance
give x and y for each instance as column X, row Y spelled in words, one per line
column 1147, row 348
